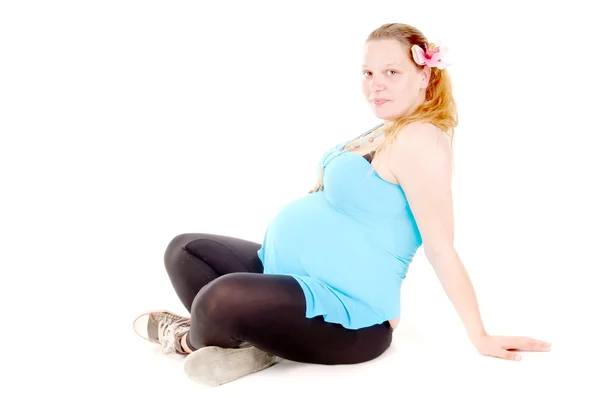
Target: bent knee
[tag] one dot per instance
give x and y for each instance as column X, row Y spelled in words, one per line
column 223, row 297
column 176, row 249
column 176, row 244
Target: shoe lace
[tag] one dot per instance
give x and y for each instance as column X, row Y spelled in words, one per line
column 169, row 331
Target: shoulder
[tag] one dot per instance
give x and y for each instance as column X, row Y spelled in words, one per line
column 419, row 148
column 421, row 136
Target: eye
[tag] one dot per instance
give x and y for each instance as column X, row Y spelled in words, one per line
column 394, row 72
column 366, row 73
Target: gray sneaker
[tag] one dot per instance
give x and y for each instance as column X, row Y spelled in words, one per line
column 164, row 328
column 214, row 366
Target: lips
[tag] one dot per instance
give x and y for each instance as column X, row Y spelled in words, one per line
column 380, row 101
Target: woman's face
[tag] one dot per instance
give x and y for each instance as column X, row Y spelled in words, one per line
column 392, row 83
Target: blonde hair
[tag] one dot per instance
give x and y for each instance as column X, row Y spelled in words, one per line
column 439, row 107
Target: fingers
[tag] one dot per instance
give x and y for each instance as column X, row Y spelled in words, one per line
column 504, row 354
column 315, row 189
column 526, row 344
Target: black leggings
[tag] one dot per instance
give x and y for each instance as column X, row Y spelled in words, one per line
column 219, row 280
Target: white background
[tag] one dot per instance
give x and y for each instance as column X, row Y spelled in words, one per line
column 125, row 123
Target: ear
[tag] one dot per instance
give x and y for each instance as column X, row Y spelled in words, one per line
column 424, row 76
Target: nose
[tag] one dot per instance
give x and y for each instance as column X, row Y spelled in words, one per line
column 376, row 84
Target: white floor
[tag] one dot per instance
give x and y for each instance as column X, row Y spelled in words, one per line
column 125, row 123
column 419, row 364
column 97, row 353
column 429, row 355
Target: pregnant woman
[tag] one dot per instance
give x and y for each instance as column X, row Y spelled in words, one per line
column 324, row 285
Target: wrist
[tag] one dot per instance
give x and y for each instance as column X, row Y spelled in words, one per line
column 477, row 337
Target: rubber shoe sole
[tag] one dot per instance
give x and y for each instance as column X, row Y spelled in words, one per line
column 214, row 366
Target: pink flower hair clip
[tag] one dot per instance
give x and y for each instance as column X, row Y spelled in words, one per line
column 431, row 56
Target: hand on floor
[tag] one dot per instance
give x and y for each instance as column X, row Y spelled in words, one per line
column 505, row 346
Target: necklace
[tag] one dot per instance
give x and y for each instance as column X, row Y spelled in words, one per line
column 367, row 139
column 341, row 148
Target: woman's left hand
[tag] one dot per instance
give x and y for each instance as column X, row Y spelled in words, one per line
column 505, row 346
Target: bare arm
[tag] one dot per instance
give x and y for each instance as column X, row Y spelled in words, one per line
column 423, row 166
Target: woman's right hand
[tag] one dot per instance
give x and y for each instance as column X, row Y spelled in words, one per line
column 319, row 185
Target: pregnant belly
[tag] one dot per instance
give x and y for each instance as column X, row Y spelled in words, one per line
column 310, row 237
column 313, row 229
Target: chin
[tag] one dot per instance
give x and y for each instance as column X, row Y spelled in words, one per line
column 386, row 115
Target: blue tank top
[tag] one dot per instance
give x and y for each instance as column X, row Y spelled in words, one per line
column 349, row 246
